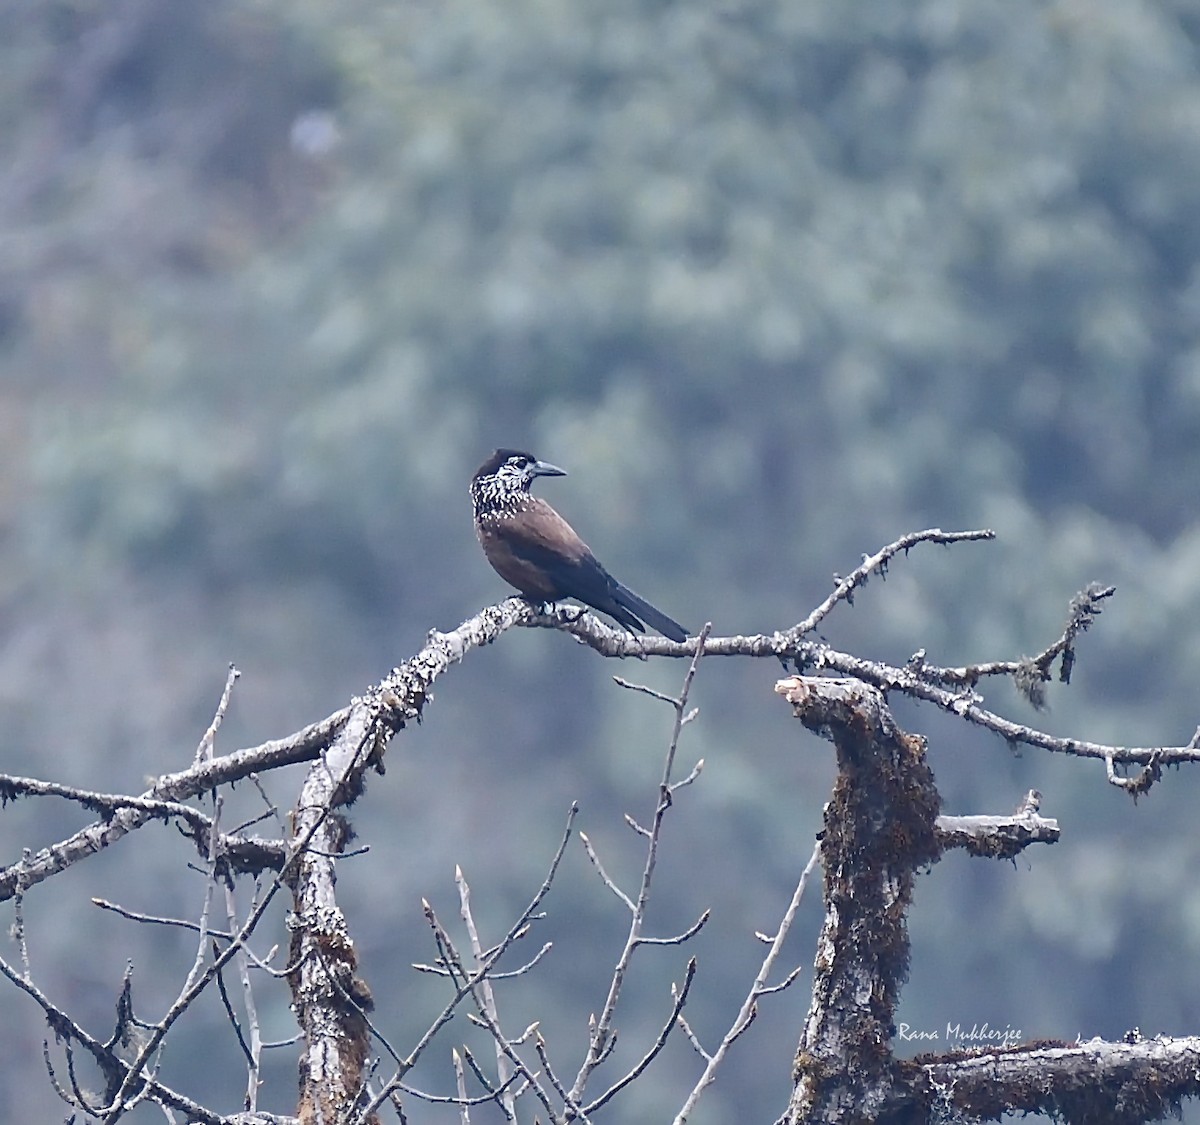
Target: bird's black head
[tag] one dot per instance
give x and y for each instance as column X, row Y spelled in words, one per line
column 506, row 476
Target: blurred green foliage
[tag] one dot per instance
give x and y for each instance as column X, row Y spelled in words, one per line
column 776, row 282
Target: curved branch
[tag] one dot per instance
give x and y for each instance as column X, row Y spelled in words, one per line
column 401, row 696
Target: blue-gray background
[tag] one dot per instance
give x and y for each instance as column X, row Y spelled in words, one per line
column 776, row 282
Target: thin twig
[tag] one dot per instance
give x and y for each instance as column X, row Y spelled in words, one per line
column 254, row 1049
column 487, row 994
column 18, row 926
column 680, row 938
column 877, row 564
column 231, row 1015
column 680, row 996
column 604, row 875
column 105, row 1059
column 644, row 690
column 471, row 982
column 686, row 1028
column 598, row 1039
column 460, row 1099
column 463, row 989
column 573, row 1111
column 135, row 1070
column 158, row 920
column 759, row 988
column 204, row 751
column 460, row 1081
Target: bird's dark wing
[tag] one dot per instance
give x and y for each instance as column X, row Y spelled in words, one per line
column 655, row 618
column 540, row 554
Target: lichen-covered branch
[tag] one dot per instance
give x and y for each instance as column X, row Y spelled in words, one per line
column 881, row 827
column 401, row 696
column 1130, row 1082
column 879, row 831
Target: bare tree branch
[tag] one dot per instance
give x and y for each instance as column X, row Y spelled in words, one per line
column 879, row 832
column 486, row 993
column 302, row 746
column 877, row 564
column 1000, row 837
column 109, row 1064
column 758, row 988
column 1138, row 1080
column 679, row 995
column 598, row 1040
column 463, row 989
column 204, row 751
column 402, row 695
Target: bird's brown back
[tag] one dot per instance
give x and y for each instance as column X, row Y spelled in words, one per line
column 527, row 542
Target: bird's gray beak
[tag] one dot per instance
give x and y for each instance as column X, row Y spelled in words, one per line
column 545, row 469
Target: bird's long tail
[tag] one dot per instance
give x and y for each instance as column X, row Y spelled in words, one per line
column 626, row 598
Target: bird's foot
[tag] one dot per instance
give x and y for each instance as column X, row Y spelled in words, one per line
column 563, row 611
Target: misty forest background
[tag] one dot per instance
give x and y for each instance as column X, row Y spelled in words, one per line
column 776, row 282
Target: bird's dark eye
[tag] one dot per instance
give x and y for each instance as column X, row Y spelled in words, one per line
column 522, row 462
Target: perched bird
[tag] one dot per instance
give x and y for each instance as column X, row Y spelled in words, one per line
column 534, row 549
